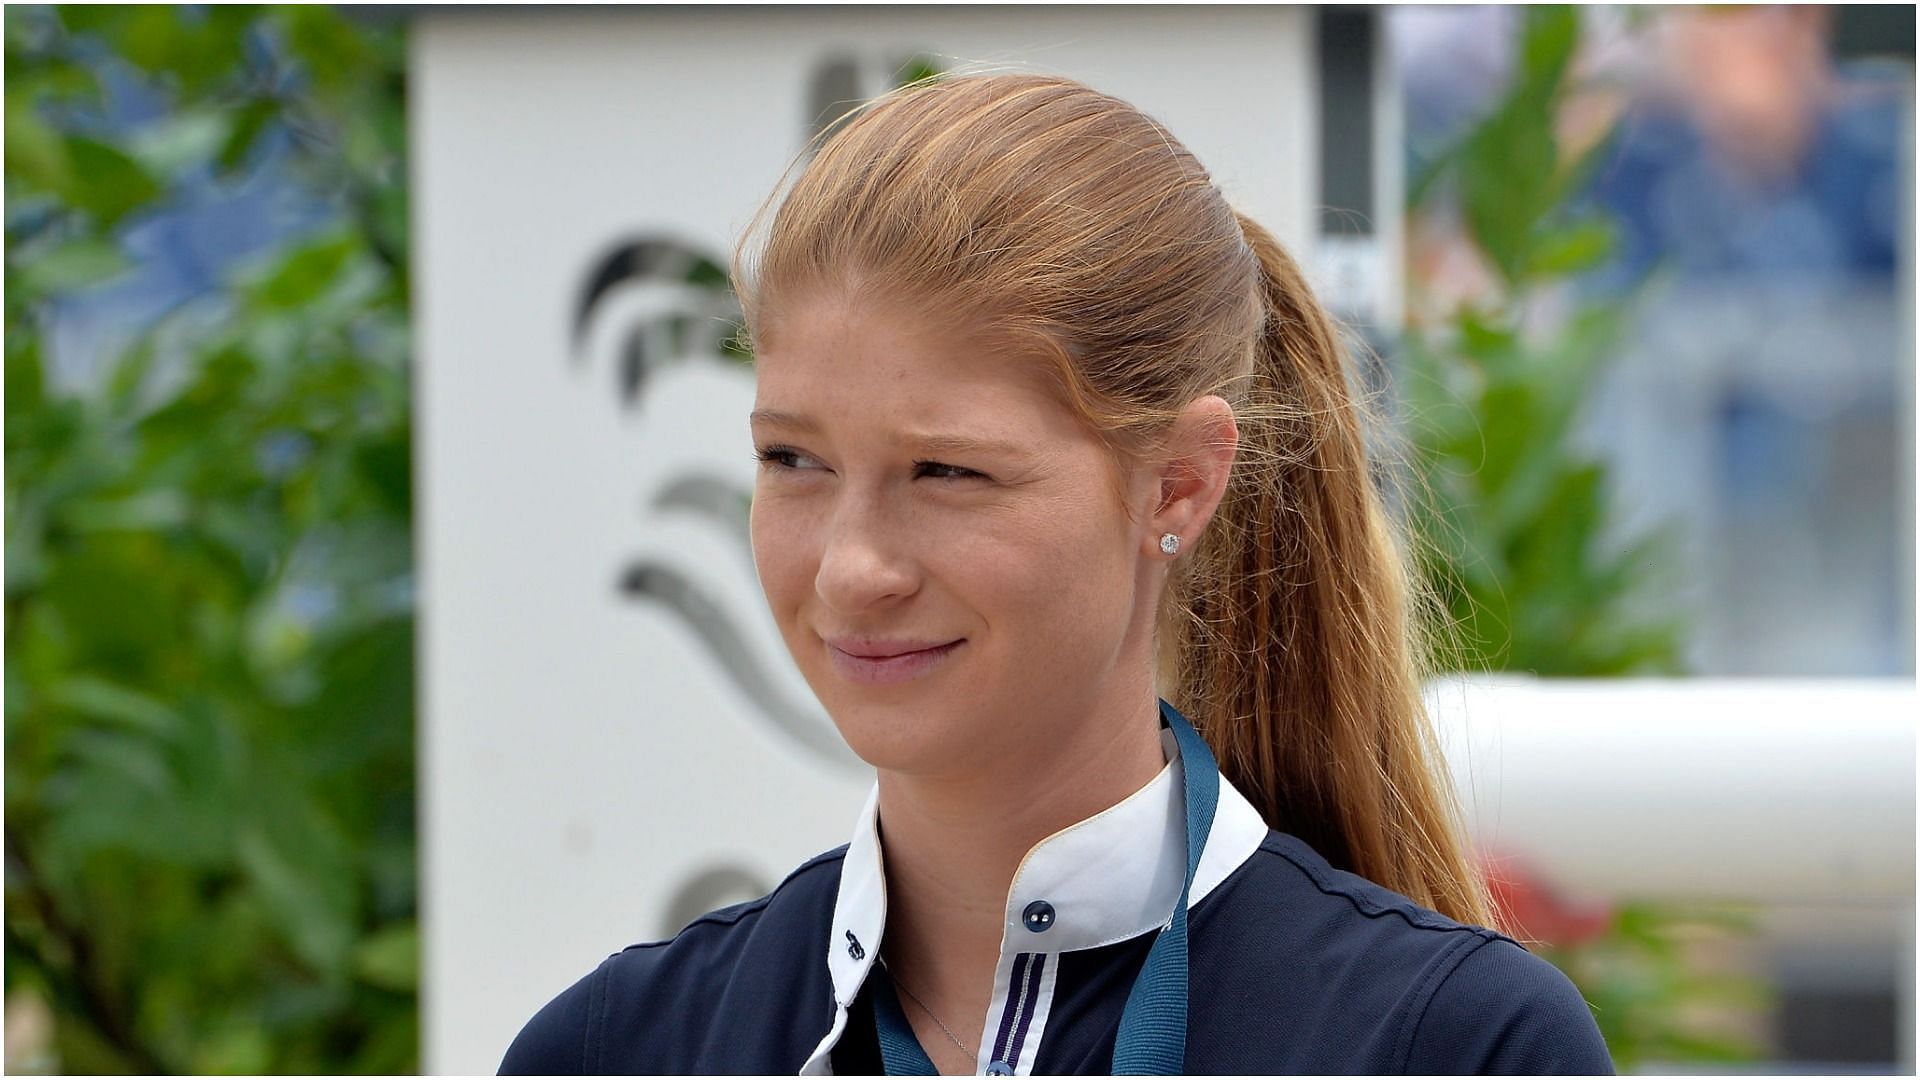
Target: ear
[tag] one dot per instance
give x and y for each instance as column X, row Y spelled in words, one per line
column 1192, row 477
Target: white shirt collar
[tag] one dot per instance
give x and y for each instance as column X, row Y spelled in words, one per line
column 1111, row 877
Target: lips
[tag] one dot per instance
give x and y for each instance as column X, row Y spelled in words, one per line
column 899, row 667
column 882, row 649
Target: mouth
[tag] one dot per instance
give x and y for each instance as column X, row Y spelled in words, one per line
column 890, row 670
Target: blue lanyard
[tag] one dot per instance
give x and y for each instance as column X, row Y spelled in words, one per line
column 1153, row 1027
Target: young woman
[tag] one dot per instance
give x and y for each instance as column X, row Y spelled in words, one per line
column 1065, row 515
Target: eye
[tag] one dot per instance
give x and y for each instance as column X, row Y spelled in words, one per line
column 953, row 472
column 777, row 457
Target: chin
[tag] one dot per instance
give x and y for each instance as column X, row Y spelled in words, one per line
column 903, row 735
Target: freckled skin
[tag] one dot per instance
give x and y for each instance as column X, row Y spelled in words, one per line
column 1035, row 565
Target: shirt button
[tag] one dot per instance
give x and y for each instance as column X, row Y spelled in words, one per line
column 999, row 1068
column 1039, row 916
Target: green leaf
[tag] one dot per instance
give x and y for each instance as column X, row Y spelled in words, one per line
column 191, row 47
column 119, row 794
column 25, row 379
column 390, row 958
column 102, row 699
column 113, row 594
column 97, row 19
column 138, row 766
column 105, row 181
column 302, row 276
column 1572, row 249
column 311, row 910
column 144, row 511
column 1505, row 169
column 1492, row 342
column 333, row 51
column 387, row 467
column 241, row 1050
column 1509, row 163
column 35, row 152
column 1549, row 36
column 73, row 265
column 181, row 141
column 129, row 376
column 248, row 124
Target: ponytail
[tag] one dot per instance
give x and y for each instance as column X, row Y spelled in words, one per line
column 1288, row 633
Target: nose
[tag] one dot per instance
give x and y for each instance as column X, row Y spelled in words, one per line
column 863, row 562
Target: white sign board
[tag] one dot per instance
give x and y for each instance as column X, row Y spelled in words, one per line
column 613, row 735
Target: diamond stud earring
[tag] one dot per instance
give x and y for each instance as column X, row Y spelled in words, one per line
column 1170, row 543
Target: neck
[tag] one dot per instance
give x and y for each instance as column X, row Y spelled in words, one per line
column 953, row 844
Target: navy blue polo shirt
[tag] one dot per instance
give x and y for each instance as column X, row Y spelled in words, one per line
column 1294, row 967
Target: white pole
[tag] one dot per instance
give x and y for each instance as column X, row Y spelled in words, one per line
column 1767, row 791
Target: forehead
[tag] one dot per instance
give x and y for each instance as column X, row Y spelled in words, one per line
column 879, row 367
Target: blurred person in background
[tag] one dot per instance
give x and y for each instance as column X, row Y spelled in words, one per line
column 1744, row 154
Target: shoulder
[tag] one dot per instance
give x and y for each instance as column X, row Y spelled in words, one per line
column 717, row 965
column 1285, row 886
column 1441, row 995
column 1502, row 1009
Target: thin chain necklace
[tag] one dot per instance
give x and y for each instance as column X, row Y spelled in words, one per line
column 923, row 1008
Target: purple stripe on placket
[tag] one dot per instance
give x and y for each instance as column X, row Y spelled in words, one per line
column 1016, row 993
column 1034, row 974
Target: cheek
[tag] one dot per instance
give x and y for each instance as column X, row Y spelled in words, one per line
column 779, row 539
column 1058, row 580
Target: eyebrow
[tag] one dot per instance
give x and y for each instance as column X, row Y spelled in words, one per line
column 782, row 419
column 929, row 442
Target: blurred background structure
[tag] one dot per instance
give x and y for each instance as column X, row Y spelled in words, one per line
column 316, row 315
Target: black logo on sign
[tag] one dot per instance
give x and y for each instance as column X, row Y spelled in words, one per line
column 676, row 307
column 688, row 314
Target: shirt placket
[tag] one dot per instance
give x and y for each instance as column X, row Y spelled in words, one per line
column 1016, row 1020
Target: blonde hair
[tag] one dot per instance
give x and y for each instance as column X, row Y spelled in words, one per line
column 1033, row 210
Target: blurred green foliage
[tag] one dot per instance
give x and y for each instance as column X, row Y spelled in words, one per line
column 1514, row 516
column 1518, row 547
column 1666, row 989
column 210, row 853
